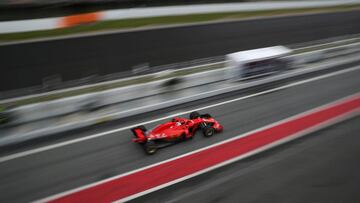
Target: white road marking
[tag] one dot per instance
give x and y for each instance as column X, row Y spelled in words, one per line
column 276, row 143
column 69, row 142
column 318, row 127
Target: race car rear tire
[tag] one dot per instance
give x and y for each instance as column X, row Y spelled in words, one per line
column 150, row 147
column 206, row 116
column 208, row 131
column 194, row 115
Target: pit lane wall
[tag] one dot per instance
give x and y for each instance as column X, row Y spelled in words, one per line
column 88, row 119
column 95, row 101
column 88, row 102
column 120, row 14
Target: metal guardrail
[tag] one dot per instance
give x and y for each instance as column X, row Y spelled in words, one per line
column 54, row 83
column 140, row 70
column 97, row 100
column 88, row 102
column 95, row 118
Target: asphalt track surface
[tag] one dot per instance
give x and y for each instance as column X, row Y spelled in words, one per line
column 322, row 167
column 50, row 172
column 25, row 65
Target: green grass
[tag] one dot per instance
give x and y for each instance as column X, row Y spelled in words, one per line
column 167, row 20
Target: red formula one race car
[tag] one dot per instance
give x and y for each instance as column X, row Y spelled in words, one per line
column 178, row 129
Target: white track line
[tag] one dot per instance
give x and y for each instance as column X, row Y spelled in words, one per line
column 251, row 153
column 69, row 142
column 318, row 127
column 281, row 141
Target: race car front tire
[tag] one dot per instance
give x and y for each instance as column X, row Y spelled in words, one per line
column 208, row 131
column 150, row 147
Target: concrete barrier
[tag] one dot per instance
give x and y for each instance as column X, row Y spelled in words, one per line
column 119, row 14
column 122, row 113
column 68, row 105
column 87, row 102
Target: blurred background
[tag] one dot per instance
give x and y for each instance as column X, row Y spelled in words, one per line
column 26, row 9
column 77, row 75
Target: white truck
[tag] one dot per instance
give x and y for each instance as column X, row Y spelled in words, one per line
column 256, row 62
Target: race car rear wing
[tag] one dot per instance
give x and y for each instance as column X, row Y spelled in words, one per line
column 139, row 134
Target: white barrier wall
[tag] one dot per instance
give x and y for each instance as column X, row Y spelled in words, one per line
column 59, row 107
column 118, row 14
column 91, row 118
column 68, row 105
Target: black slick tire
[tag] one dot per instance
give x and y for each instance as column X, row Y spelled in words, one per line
column 150, row 147
column 194, row 115
column 208, row 131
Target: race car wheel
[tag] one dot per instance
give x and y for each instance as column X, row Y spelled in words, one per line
column 208, row 131
column 206, row 116
column 150, row 147
column 194, row 115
